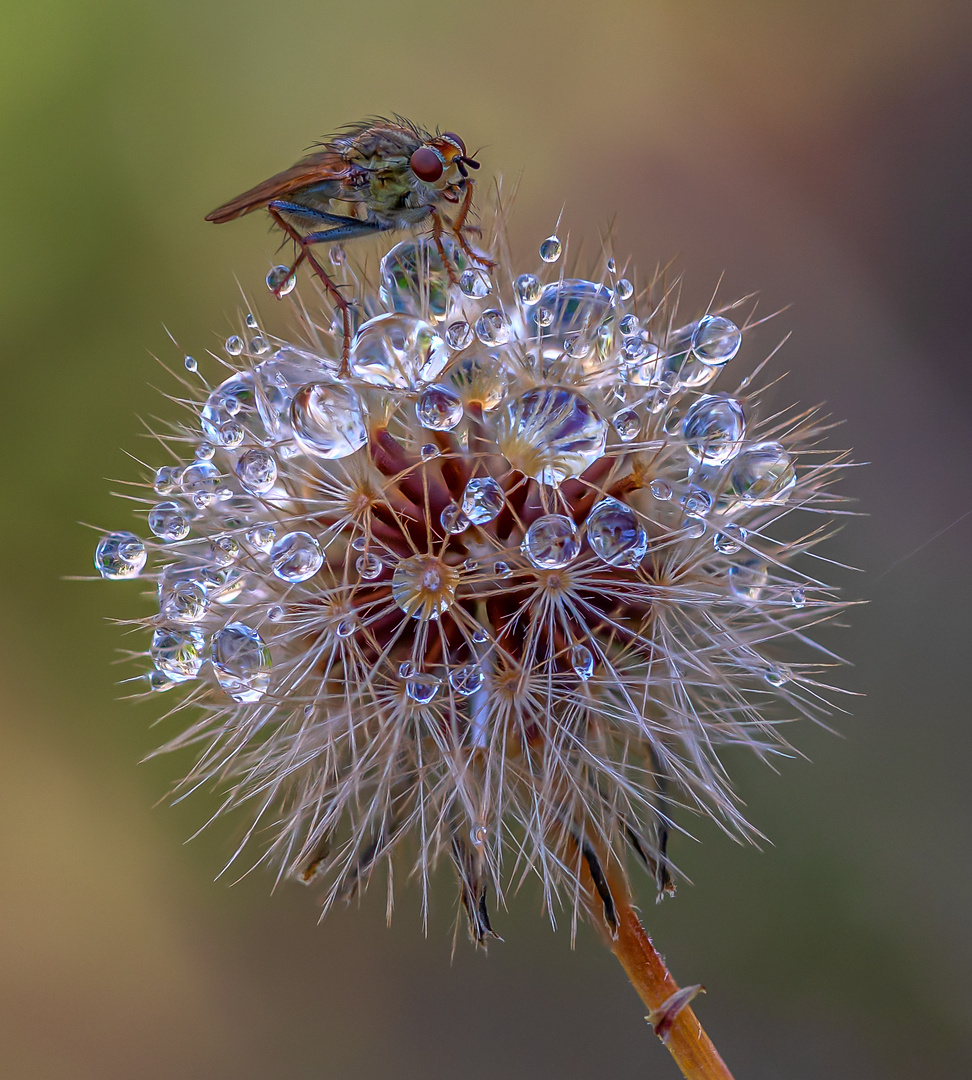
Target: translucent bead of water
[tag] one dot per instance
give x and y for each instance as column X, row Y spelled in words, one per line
column 730, row 539
column 259, row 345
column 275, row 613
column 528, row 288
column 167, row 521
column 327, row 420
column 661, row 490
column 577, row 308
column 480, row 636
column 644, row 370
column 716, row 340
column 696, row 502
column 204, row 452
column 459, row 335
column 693, row 528
column 475, row 283
column 158, row 683
column 241, row 661
column 234, row 345
column 233, row 399
column 369, row 566
column 543, row 316
column 502, row 570
column 182, row 599
column 627, row 424
column 200, row 480
column 633, row 350
column 776, row 675
column 713, row 429
column 482, row 500
column 422, row 688
column 230, row 434
column 582, row 661
column 612, row 265
column 120, row 555
column 191, row 365
column 629, row 325
column 747, row 579
column 178, row 654
column 413, row 278
column 251, row 321
column 438, row 408
column 346, row 627
column 493, row 327
column 551, row 249
column 359, row 543
column 280, row 281
column 257, row 471
column 429, row 451
column 296, row 556
column 167, row 480
column 624, row 289
column 453, row 520
column 762, row 474
column 615, row 534
column 798, row 598
column 466, row 680
column 398, row 351
column 551, row 542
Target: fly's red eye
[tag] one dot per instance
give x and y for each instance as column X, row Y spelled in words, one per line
column 426, row 164
column 455, row 138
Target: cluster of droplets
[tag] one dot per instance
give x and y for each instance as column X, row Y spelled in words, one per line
column 514, row 569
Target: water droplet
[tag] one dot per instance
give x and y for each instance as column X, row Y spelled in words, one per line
column 257, row 470
column 693, row 528
column 120, row 555
column 645, row 370
column 405, row 669
column 480, row 378
column 543, row 316
column 470, row 566
column 629, row 325
column 224, row 550
column 493, row 327
column 178, row 654
column 551, row 541
column 625, row 289
column 696, row 502
column 577, row 308
column 713, row 429
column 438, row 408
column 748, row 578
column 182, row 597
column 577, row 345
column 582, row 661
column 798, row 598
column 632, row 351
column 551, row 249
column 280, row 281
column 459, row 335
column 477, row 835
column 262, row 536
column 234, row 345
column 502, row 570
column 612, row 266
column 191, row 364
column 296, row 556
column 627, row 424
column 482, row 500
column 251, row 321
column 422, row 688
column 716, row 340
column 241, row 661
column 204, row 452
column 480, row 636
column 424, row 586
column 551, row 433
column 275, row 613
column 230, row 435
column 465, row 681
column 369, row 566
column 528, row 288
column 429, row 451
column 168, row 522
column 661, row 490
column 200, row 480
column 346, row 627
column 359, row 543
column 259, row 345
column 158, row 683
column 167, row 480
column 729, row 540
column 327, row 420
column 615, row 534
column 762, row 474
column 475, row 283
column 398, row 351
column 233, row 399
column 453, row 520
column 776, row 675
column 413, row 279
column 278, row 378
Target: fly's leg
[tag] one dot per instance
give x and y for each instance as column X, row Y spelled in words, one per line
column 460, row 223
column 440, row 247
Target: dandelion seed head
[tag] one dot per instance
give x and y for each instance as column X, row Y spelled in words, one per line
column 512, row 584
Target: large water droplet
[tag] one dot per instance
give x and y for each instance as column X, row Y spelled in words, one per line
column 178, row 654
column 398, row 351
column 120, row 555
column 528, row 288
column 167, row 521
column 577, row 308
column 327, row 420
column 241, row 661
column 716, row 340
column 232, row 399
column 465, row 681
column 278, row 379
column 762, row 474
column 414, row 279
column 582, row 661
column 551, row 249
column 438, row 408
column 233, row 345
column 551, row 542
column 257, row 470
column 696, row 502
column 424, row 586
column 482, row 500
column 452, row 519
column 625, row 289
column 551, row 433
column 493, row 327
column 615, row 534
column 296, row 556
column 713, row 429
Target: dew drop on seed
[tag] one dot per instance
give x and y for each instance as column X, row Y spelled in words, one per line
column 551, row 249
column 501, row 569
column 234, row 345
column 257, row 471
column 346, row 627
column 120, row 555
column 251, row 321
column 696, row 502
column 182, row 599
column 262, row 536
column 200, row 481
column 452, row 519
column 177, row 654
column 480, row 636
column 582, row 661
column 762, row 474
column 713, row 429
column 241, row 661
column 629, row 325
column 327, row 420
column 414, row 279
column 528, row 288
column 661, row 490
column 429, row 451
column 493, row 327
column 230, row 435
column 259, row 345
column 233, row 399
column 369, row 566
column 716, row 340
column 482, row 500
column 615, row 534
column 627, row 424
column 398, row 351
column 438, row 408
column 280, row 281
column 359, row 543
column 466, row 680
column 543, row 316
column 693, row 528
column 747, row 579
column 776, row 675
column 625, row 289
column 552, row 541
column 459, row 335
column 729, row 540
column 204, row 452
column 798, row 598
column 167, row 480
column 422, row 688
column 167, row 521
column 191, row 365
column 475, row 282
column 296, row 556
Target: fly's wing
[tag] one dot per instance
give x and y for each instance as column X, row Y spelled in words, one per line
column 315, row 169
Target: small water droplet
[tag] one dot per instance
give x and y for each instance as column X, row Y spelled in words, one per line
column 475, row 283
column 182, row 599
column 438, row 408
column 177, row 654
column 501, row 569
column 369, row 566
column 624, row 289
column 470, row 566
column 582, row 661
column 280, row 281
column 762, row 474
column 696, row 502
column 296, row 556
column 262, row 536
column 257, row 470
column 716, row 340
column 482, row 500
column 661, row 490
column 629, row 325
column 120, row 555
column 693, row 528
column 480, row 636
column 459, row 335
column 429, row 451
column 251, row 321
column 798, row 598
column 713, row 429
column 241, row 661
column 234, row 345
column 327, row 420
column 158, row 683
column 167, row 480
column 230, row 434
column 204, row 452
column 627, row 424
column 422, row 688
column 551, row 249
column 615, row 534
column 191, row 364
column 612, row 266
column 729, row 540
column 259, row 345
column 167, row 521
column 543, row 316
column 477, row 835
column 453, row 520
column 748, row 578
column 232, row 399
column 201, row 480
column 493, row 327
column 551, row 542
column 528, row 288
column 346, row 627
column 465, row 681
column 275, row 613
column 359, row 543
column 776, row 675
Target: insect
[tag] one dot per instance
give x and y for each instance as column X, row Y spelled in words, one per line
column 392, row 174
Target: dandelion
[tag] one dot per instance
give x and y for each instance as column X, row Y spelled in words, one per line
column 499, row 598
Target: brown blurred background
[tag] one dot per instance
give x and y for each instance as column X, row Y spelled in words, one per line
column 819, row 152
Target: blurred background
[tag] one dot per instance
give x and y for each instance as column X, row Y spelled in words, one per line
column 818, row 152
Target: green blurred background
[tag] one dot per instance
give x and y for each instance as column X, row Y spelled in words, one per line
column 818, row 152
